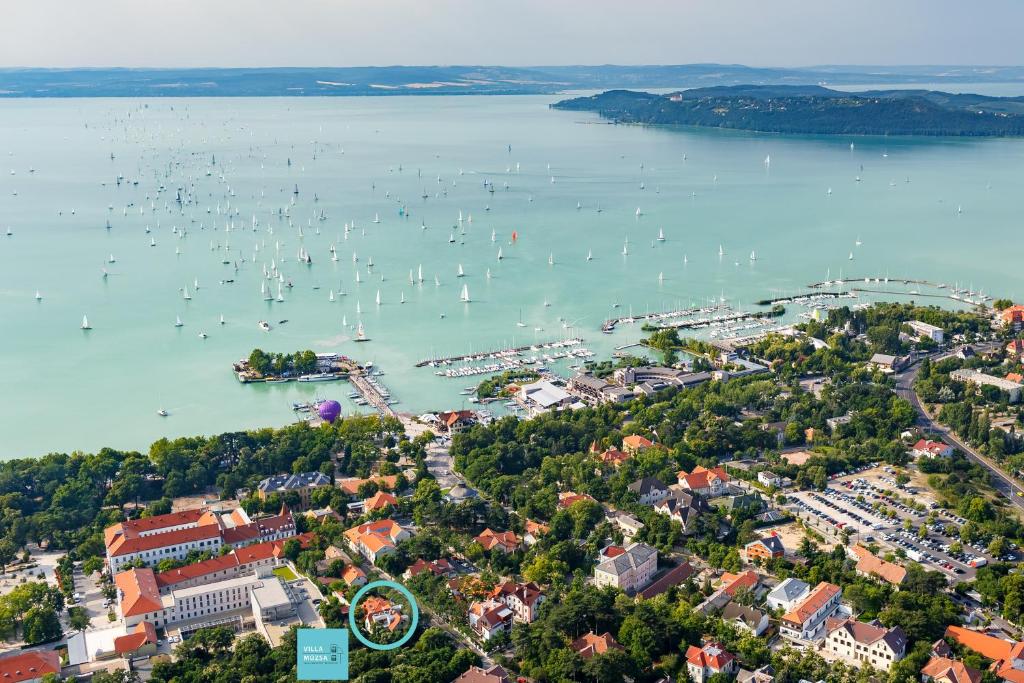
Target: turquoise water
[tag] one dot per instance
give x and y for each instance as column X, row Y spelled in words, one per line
column 68, row 389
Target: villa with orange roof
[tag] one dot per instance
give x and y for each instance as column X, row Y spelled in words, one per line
column 534, row 530
column 524, row 599
column 489, row 617
column 634, row 444
column 139, row 641
column 806, row 621
column 505, row 541
column 379, row 501
column 1015, row 348
column 376, row 539
column 590, row 644
column 381, row 613
column 704, row 662
column 352, row 484
column 1013, row 317
column 1007, row 656
column 566, row 499
column 946, row 670
column 707, row 482
column 613, row 457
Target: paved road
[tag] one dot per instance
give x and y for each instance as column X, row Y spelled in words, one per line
column 1001, row 481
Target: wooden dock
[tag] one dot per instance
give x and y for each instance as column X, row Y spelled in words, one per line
column 371, row 395
column 502, row 353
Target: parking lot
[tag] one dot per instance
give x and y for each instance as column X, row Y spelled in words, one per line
column 874, row 514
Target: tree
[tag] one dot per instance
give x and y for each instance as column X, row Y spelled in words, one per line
column 78, row 618
column 40, row 625
column 7, row 554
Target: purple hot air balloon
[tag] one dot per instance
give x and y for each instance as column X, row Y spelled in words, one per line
column 329, row 411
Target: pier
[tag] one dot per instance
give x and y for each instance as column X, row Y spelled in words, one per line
column 502, row 355
column 373, row 393
column 608, row 326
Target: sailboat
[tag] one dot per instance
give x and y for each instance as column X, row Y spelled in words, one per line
column 186, row 295
column 639, row 212
column 520, row 323
column 753, row 255
column 499, row 253
column 493, row 236
column 359, row 308
column 376, row 218
column 111, row 259
column 464, row 297
column 39, row 297
column 264, row 291
column 488, row 273
column 361, row 333
column 177, row 321
column 402, row 299
column 222, row 319
column 721, row 251
column 280, row 296
column 419, row 273
column 330, row 295
column 661, row 235
column 378, row 297
column 551, row 259
column 85, row 323
column 461, row 272
column 590, row 254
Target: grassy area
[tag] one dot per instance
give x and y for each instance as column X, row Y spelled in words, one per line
column 285, row 573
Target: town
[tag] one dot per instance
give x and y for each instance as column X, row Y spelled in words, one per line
column 836, row 501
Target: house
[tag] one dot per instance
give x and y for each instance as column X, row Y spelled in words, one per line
column 806, row 621
column 649, row 490
column 595, row 391
column 302, row 484
column 381, row 613
column 861, row 643
column 474, row 674
column 704, row 662
column 767, row 548
column 634, row 444
column 1015, row 348
column 353, row 576
column 886, row 362
column 1013, row 317
column 140, row 641
column 766, row 674
column 683, row 508
column 456, row 421
column 29, row 667
column 613, row 457
column 732, row 584
column 379, row 501
column 524, row 599
column 323, row 514
column 534, row 530
column 925, row 448
column 834, row 423
column 966, row 351
column 351, row 485
column 376, row 539
column 787, row 594
column 769, row 479
column 870, row 565
column 630, row 571
column 567, row 499
column 439, row 567
column 979, row 378
column 706, row 482
column 926, row 331
column 590, row 644
column 746, row 618
column 489, row 618
column 946, row 670
column 503, row 541
column 629, row 525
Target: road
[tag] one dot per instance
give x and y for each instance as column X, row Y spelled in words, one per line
column 1000, row 481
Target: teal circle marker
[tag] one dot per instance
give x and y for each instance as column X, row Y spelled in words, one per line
column 354, row 623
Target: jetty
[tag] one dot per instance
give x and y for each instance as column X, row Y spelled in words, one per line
column 608, row 326
column 373, row 392
column 500, row 355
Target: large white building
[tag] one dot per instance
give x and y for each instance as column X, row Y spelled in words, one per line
column 806, row 621
column 979, row 378
column 173, row 536
column 861, row 643
column 922, row 329
column 631, row 569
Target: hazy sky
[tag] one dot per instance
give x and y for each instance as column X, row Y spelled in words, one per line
column 508, row 32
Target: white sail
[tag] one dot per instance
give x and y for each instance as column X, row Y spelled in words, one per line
column 85, row 323
column 464, row 297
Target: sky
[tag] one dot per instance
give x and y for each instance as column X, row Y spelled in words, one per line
column 246, row 33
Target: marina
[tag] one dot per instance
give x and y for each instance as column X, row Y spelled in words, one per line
column 214, row 251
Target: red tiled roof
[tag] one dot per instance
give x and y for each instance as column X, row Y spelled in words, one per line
column 733, row 583
column 951, row 670
column 135, row 527
column 29, row 665
column 144, row 633
column 712, row 656
column 814, row 601
column 702, row 478
column 868, row 563
column 982, row 643
column 591, row 644
column 489, row 539
column 568, row 498
column 139, row 592
column 673, row 577
column 636, row 441
column 192, row 571
column 127, row 546
column 379, row 501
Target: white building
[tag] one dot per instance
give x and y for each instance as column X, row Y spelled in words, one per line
column 978, row 378
column 924, row 330
column 544, row 396
column 787, row 594
column 630, row 570
column 860, row 643
column 806, row 621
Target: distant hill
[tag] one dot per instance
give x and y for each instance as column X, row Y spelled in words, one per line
column 450, row 80
column 814, row 110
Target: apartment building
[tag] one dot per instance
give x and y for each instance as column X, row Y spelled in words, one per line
column 861, row 643
column 806, row 621
column 630, row 570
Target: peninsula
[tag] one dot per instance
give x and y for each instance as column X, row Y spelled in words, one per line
column 813, row 110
